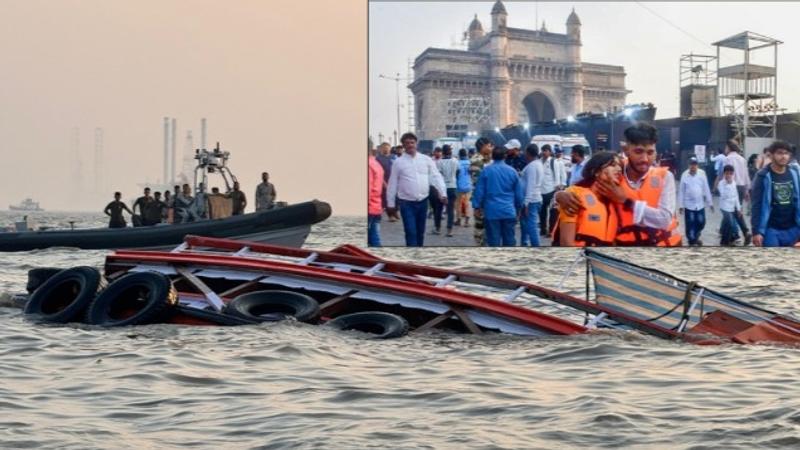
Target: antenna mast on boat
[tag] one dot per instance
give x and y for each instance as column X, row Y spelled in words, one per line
column 214, row 161
column 203, row 133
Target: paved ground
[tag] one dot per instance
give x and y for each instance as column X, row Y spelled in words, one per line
column 392, row 232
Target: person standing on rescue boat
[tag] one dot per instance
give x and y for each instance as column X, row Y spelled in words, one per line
column 114, row 211
column 596, row 222
column 645, row 196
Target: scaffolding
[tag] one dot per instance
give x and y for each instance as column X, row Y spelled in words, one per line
column 410, row 98
column 698, row 86
column 748, row 93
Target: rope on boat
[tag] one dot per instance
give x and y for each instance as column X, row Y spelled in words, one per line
column 569, row 271
column 685, row 319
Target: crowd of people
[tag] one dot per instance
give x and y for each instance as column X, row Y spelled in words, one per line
column 629, row 198
column 181, row 206
column 768, row 184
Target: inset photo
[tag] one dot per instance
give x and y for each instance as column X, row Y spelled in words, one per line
column 550, row 124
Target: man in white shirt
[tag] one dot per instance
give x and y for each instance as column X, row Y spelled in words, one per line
column 409, row 186
column 532, row 178
column 740, row 173
column 693, row 196
column 555, row 178
column 578, row 159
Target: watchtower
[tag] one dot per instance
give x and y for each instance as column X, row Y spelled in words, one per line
column 748, row 92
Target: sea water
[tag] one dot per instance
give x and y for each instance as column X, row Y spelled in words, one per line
column 289, row 385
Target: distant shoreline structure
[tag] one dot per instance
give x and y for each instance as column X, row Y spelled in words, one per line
column 26, row 205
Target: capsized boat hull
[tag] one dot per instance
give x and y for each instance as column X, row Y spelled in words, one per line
column 287, row 226
column 349, row 279
column 337, row 275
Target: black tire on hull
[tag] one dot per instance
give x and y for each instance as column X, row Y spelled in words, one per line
column 37, row 277
column 134, row 299
column 270, row 306
column 64, row 297
column 381, row 325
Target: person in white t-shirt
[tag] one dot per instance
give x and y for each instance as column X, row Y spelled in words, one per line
column 729, row 205
column 741, row 176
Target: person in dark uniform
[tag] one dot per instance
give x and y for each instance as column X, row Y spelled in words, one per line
column 239, row 199
column 154, row 211
column 168, row 205
column 183, row 204
column 114, row 211
column 142, row 203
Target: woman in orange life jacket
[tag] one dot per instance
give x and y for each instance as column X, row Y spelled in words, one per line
column 645, row 196
column 596, row 221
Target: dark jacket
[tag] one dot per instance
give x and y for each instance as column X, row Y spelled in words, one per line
column 762, row 198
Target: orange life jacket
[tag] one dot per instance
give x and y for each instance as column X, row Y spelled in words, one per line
column 650, row 191
column 597, row 222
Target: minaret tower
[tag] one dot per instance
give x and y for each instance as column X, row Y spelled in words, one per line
column 575, row 89
column 500, row 80
column 475, row 32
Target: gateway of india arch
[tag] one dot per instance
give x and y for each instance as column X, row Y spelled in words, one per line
column 510, row 75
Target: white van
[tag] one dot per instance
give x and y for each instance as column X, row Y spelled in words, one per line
column 542, row 139
column 454, row 143
column 566, row 142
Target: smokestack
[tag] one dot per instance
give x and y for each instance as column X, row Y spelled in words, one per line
column 166, row 149
column 172, row 163
column 203, row 133
column 77, row 166
column 188, row 156
column 99, row 186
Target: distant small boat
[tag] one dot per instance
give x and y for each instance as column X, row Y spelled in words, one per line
column 26, row 205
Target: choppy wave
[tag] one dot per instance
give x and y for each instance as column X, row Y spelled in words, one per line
column 290, row 385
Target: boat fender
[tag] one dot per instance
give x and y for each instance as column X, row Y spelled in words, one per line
column 270, row 306
column 38, row 276
column 382, row 325
column 134, row 299
column 64, row 296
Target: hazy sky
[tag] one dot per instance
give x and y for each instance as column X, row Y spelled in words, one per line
column 282, row 83
column 623, row 33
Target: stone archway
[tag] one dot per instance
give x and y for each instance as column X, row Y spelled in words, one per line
column 539, row 107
